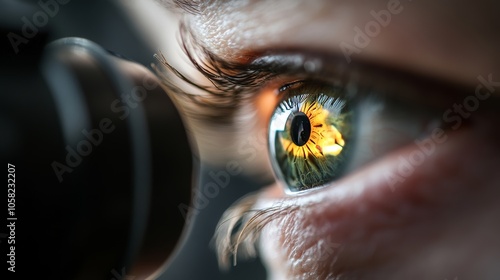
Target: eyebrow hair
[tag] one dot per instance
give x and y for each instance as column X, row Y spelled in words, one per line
column 197, row 7
column 188, row 6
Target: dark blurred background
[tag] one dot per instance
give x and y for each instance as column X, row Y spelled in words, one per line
column 105, row 23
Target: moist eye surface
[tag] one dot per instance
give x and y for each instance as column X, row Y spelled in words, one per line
column 310, row 133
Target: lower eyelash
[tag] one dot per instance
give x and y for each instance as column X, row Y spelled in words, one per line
column 240, row 227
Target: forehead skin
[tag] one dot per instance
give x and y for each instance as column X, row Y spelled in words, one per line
column 456, row 40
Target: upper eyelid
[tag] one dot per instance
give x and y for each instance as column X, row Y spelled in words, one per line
column 332, row 68
column 371, row 78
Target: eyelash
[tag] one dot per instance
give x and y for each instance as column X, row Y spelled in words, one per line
column 225, row 76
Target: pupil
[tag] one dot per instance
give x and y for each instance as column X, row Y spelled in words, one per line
column 300, row 129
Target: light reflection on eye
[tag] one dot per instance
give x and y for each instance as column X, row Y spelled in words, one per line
column 309, row 135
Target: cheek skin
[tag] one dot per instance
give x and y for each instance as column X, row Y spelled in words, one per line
column 440, row 222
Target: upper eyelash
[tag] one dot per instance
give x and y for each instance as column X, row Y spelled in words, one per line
column 229, row 79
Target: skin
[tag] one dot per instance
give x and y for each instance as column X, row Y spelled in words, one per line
column 441, row 220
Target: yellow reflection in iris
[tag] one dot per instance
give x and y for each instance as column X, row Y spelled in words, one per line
column 325, row 139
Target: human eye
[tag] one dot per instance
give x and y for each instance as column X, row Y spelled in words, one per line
column 376, row 120
column 392, row 156
column 323, row 128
